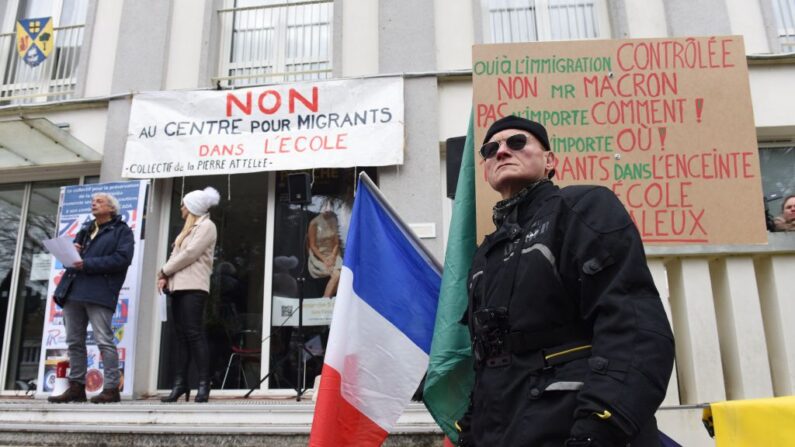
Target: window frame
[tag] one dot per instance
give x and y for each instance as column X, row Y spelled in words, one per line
column 543, row 20
column 773, row 199
column 48, row 81
column 784, row 37
column 277, row 67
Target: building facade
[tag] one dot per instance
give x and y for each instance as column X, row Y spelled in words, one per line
column 65, row 122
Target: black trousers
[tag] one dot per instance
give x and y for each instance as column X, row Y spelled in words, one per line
column 187, row 308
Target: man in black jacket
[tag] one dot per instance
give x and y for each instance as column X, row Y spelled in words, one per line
column 89, row 293
column 571, row 342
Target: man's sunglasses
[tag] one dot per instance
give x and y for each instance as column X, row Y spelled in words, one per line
column 514, row 142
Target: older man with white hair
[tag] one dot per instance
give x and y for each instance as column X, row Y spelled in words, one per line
column 89, row 293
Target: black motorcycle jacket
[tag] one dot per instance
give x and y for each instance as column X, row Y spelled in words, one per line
column 570, row 337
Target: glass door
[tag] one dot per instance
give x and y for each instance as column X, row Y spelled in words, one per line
column 11, row 198
column 307, row 257
column 233, row 312
column 31, row 291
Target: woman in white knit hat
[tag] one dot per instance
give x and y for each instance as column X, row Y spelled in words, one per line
column 186, row 278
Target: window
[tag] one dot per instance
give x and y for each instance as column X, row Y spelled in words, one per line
column 784, row 11
column 542, row 20
column 306, row 233
column 56, row 77
column 31, row 209
column 777, row 164
column 236, row 312
column 11, row 198
column 267, row 41
column 234, row 307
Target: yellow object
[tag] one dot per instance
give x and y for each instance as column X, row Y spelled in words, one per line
column 753, row 422
column 604, row 415
column 568, row 351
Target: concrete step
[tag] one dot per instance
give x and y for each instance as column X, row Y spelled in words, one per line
column 231, row 421
column 221, row 422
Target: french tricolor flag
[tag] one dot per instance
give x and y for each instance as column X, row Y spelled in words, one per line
column 381, row 329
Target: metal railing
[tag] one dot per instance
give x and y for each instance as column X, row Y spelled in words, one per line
column 785, row 24
column 541, row 20
column 511, row 24
column 573, row 19
column 54, row 79
column 275, row 43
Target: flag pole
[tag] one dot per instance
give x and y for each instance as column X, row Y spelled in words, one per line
column 368, row 182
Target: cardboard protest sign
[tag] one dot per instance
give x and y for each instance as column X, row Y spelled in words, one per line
column 666, row 124
column 323, row 124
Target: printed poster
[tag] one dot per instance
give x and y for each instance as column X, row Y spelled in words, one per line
column 315, row 312
column 74, row 210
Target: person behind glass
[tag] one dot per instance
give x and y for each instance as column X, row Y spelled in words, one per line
column 186, row 278
column 89, row 292
column 324, row 250
column 786, row 221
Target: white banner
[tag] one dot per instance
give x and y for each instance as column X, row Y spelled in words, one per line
column 74, row 209
column 328, row 124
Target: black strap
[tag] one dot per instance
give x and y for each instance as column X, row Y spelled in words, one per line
column 509, row 273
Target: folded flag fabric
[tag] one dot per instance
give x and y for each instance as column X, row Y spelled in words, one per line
column 450, row 373
column 752, row 422
column 381, row 328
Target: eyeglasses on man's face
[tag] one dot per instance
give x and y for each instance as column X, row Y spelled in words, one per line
column 514, row 142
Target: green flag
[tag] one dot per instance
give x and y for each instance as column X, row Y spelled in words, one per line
column 450, row 374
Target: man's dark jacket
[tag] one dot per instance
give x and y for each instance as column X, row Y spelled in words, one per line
column 105, row 261
column 581, row 279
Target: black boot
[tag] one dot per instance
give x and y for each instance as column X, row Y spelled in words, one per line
column 179, row 388
column 75, row 393
column 107, row 396
column 203, row 393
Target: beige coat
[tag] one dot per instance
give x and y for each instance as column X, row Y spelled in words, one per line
column 190, row 265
